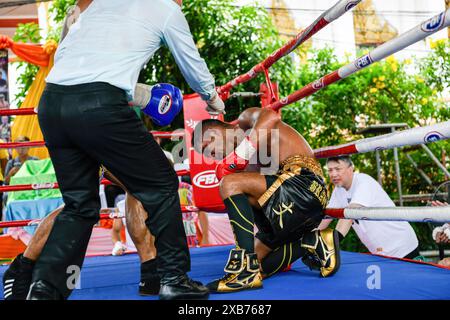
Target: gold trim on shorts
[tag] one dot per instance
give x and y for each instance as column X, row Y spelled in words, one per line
column 295, row 164
column 289, row 168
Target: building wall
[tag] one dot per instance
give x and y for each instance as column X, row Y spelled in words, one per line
column 406, row 14
column 22, row 12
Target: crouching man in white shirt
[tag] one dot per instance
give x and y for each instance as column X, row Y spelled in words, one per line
column 355, row 190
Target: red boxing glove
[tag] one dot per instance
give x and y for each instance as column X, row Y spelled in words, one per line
column 231, row 164
column 237, row 160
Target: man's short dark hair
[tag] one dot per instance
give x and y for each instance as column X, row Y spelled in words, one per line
column 345, row 159
column 202, row 126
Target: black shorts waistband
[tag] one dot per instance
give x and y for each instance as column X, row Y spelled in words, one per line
column 298, row 163
column 83, row 88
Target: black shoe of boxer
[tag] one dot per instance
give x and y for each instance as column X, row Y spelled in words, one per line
column 42, row 290
column 180, row 287
column 17, row 278
column 150, row 280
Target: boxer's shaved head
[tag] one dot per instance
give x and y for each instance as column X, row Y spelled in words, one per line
column 210, row 137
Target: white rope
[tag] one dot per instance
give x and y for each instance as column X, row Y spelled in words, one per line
column 412, row 214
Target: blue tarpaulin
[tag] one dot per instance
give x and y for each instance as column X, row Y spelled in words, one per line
column 31, row 210
column 361, row 277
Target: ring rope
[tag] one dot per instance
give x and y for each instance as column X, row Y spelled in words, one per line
column 410, row 137
column 54, row 185
column 103, row 216
column 411, row 214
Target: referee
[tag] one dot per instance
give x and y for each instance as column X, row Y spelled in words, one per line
column 86, row 122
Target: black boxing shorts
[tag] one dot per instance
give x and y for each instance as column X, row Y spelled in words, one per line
column 294, row 202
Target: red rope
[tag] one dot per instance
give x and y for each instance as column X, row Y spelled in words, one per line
column 335, row 213
column 54, row 185
column 14, row 145
column 103, row 216
column 346, row 150
column 17, row 112
column 269, row 85
column 38, row 144
column 167, row 134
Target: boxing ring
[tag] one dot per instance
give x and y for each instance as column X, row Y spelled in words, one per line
column 362, row 276
column 117, row 278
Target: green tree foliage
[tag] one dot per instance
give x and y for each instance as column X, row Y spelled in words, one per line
column 59, row 9
column 436, row 66
column 387, row 92
column 28, row 33
column 231, row 40
column 383, row 93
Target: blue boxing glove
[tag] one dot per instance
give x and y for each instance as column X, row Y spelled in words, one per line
column 161, row 102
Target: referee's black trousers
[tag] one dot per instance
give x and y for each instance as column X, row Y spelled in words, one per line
column 85, row 126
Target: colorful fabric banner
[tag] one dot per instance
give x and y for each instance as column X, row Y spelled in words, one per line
column 35, row 172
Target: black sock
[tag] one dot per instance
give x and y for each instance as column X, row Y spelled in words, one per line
column 242, row 221
column 341, row 236
column 148, row 268
column 282, row 257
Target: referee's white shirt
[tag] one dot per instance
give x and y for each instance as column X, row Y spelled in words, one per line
column 112, row 40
